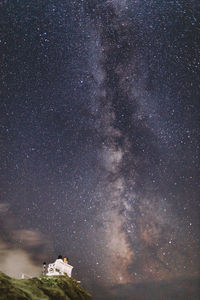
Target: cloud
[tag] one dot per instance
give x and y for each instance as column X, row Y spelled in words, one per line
column 21, row 250
column 29, row 238
column 14, row 262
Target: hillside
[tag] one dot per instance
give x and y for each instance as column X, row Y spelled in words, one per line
column 41, row 288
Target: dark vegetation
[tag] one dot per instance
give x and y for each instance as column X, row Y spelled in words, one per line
column 41, row 288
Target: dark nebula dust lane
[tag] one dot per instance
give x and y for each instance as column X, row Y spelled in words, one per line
column 99, row 126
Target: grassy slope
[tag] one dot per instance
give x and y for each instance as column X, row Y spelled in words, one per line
column 41, row 288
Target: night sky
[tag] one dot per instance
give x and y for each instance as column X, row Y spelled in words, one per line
column 99, row 143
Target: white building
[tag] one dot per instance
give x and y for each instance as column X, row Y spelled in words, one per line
column 59, row 267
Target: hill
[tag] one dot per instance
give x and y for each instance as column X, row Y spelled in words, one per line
column 41, row 288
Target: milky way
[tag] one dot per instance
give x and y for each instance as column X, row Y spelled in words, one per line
column 141, row 226
column 100, row 138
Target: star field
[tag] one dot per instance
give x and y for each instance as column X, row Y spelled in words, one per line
column 99, row 124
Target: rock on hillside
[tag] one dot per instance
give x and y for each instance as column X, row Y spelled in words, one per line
column 41, row 288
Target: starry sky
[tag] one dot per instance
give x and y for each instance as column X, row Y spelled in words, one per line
column 99, row 143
